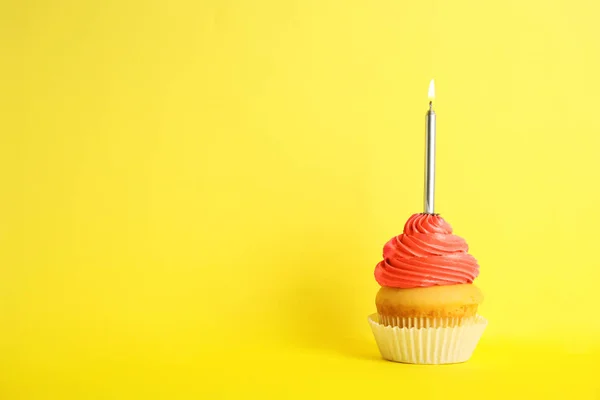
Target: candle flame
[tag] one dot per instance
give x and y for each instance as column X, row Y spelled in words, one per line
column 431, row 92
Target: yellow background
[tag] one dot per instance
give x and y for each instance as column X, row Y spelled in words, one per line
column 195, row 194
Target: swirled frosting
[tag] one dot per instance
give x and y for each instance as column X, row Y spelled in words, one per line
column 426, row 254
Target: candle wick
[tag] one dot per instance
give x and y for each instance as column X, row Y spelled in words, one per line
column 430, row 106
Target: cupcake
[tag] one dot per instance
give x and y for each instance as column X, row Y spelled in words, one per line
column 427, row 304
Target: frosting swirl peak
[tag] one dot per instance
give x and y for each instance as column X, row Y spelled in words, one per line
column 426, row 254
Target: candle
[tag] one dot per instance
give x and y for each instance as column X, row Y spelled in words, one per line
column 430, row 153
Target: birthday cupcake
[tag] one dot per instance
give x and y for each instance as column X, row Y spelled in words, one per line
column 427, row 304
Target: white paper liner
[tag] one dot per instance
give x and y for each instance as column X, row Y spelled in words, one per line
column 441, row 345
column 420, row 322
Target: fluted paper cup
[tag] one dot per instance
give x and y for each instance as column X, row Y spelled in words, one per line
column 420, row 322
column 442, row 344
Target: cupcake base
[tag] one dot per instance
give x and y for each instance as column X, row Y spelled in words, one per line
column 420, row 322
column 441, row 344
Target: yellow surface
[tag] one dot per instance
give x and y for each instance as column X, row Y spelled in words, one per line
column 195, row 194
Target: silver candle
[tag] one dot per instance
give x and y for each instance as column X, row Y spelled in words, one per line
column 430, row 153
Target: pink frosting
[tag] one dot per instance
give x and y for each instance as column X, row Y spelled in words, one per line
column 426, row 254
